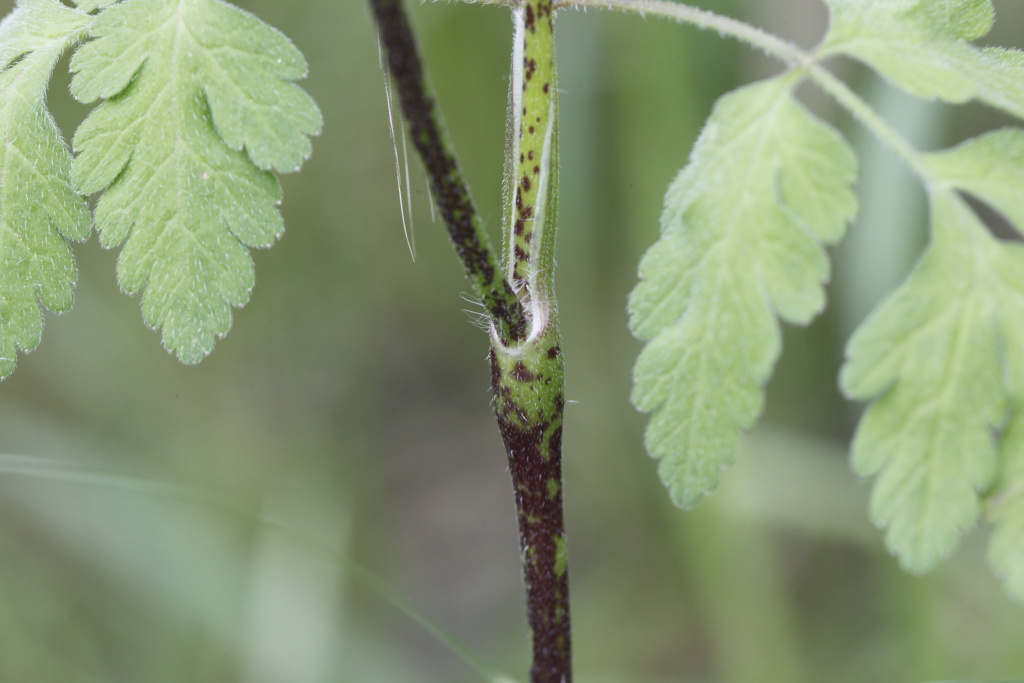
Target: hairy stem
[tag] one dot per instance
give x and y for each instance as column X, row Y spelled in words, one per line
column 769, row 43
column 786, row 52
column 531, row 163
column 529, row 401
column 452, row 195
column 870, row 119
column 528, row 377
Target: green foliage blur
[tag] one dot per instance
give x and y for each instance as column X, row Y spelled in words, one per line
column 350, row 402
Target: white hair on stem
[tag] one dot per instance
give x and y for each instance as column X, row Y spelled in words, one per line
column 401, row 164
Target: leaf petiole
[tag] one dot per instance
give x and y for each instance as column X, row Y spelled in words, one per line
column 773, row 46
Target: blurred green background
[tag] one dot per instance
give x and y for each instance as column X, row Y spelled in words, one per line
column 350, row 402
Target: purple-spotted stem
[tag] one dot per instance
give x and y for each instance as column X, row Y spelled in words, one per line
column 527, row 374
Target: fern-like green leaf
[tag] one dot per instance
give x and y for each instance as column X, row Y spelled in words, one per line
column 38, row 210
column 924, row 47
column 991, row 167
column 200, row 105
column 936, row 358
column 742, row 236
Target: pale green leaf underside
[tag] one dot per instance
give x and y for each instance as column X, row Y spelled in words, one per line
column 199, row 107
column 991, row 167
column 935, row 357
column 742, row 237
column 923, row 47
column 38, row 210
column 90, row 5
column 1006, row 547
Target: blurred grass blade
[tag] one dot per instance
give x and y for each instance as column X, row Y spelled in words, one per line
column 44, row 468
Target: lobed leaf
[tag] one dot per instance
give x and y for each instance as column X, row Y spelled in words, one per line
column 1006, row 547
column 199, row 107
column 990, row 167
column 742, row 235
column 38, row 209
column 935, row 359
column 923, row 46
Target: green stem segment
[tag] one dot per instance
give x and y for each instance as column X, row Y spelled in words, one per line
column 531, row 164
column 527, row 375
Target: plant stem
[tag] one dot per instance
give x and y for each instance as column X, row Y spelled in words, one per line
column 870, row 119
column 769, row 43
column 453, row 199
column 527, row 376
column 531, row 163
column 784, row 51
column 529, row 401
